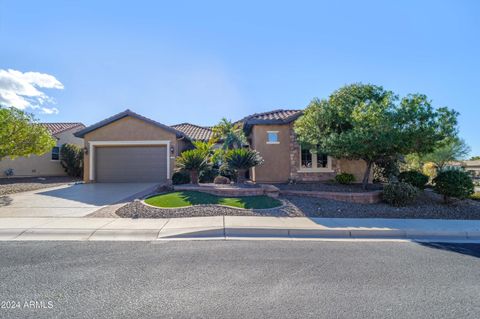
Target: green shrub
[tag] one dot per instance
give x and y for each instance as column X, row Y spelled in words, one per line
column 345, row 178
column 208, row 175
column 71, row 159
column 228, row 172
column 180, row 177
column 475, row 196
column 453, row 183
column 399, row 194
column 414, row 178
column 221, row 180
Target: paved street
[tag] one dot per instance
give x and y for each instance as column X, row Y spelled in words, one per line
column 234, row 279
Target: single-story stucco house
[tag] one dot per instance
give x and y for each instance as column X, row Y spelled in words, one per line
column 47, row 164
column 128, row 147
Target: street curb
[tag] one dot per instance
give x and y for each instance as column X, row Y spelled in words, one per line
column 223, row 233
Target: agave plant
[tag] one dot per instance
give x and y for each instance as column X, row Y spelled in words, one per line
column 193, row 161
column 241, row 160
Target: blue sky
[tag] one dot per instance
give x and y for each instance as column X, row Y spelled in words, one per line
column 198, row 61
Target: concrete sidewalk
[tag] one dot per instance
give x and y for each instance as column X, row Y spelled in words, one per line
column 236, row 227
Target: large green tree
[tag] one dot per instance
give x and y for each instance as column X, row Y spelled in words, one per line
column 21, row 135
column 364, row 121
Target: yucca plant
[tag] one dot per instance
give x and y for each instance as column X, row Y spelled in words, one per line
column 193, row 161
column 241, row 160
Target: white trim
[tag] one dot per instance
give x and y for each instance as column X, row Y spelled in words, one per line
column 93, row 144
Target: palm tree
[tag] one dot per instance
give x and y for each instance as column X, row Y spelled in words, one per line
column 230, row 133
column 193, row 161
column 241, row 160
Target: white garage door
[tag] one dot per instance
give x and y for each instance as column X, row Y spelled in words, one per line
column 131, row 164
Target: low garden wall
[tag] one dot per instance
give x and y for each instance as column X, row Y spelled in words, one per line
column 361, row 198
column 271, row 190
column 222, row 190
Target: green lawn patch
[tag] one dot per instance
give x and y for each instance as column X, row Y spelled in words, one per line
column 189, row 198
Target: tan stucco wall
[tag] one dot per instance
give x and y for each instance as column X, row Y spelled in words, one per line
column 276, row 166
column 355, row 167
column 282, row 161
column 41, row 165
column 129, row 129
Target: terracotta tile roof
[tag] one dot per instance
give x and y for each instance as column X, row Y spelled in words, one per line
column 55, row 128
column 275, row 115
column 194, row 132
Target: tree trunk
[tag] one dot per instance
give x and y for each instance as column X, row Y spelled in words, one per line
column 193, row 177
column 241, row 176
column 366, row 176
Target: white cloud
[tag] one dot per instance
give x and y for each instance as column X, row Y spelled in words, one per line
column 21, row 90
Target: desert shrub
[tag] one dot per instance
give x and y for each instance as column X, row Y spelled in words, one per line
column 180, row 177
column 221, row 180
column 208, row 175
column 71, row 159
column 414, row 178
column 453, row 183
column 227, row 172
column 399, row 194
column 345, row 178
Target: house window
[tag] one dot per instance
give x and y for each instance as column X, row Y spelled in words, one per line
column 272, row 137
column 55, row 153
column 314, row 160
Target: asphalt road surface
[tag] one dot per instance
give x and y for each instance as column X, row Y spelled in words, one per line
column 239, row 279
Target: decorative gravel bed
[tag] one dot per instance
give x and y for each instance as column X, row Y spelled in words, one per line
column 23, row 184
column 329, row 187
column 140, row 210
column 429, row 205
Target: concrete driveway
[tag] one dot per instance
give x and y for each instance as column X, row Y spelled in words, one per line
column 68, row 201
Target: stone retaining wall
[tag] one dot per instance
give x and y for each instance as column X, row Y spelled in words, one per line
column 272, row 191
column 361, row 198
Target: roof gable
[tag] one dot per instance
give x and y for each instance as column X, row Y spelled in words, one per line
column 122, row 115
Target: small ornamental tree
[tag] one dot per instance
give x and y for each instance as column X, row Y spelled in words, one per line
column 71, row 158
column 241, row 159
column 364, row 121
column 21, row 135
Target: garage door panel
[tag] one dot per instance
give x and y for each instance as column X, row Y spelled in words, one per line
column 131, row 164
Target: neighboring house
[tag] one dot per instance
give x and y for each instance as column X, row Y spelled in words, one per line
column 47, row 164
column 128, row 147
column 470, row 166
column 272, row 135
